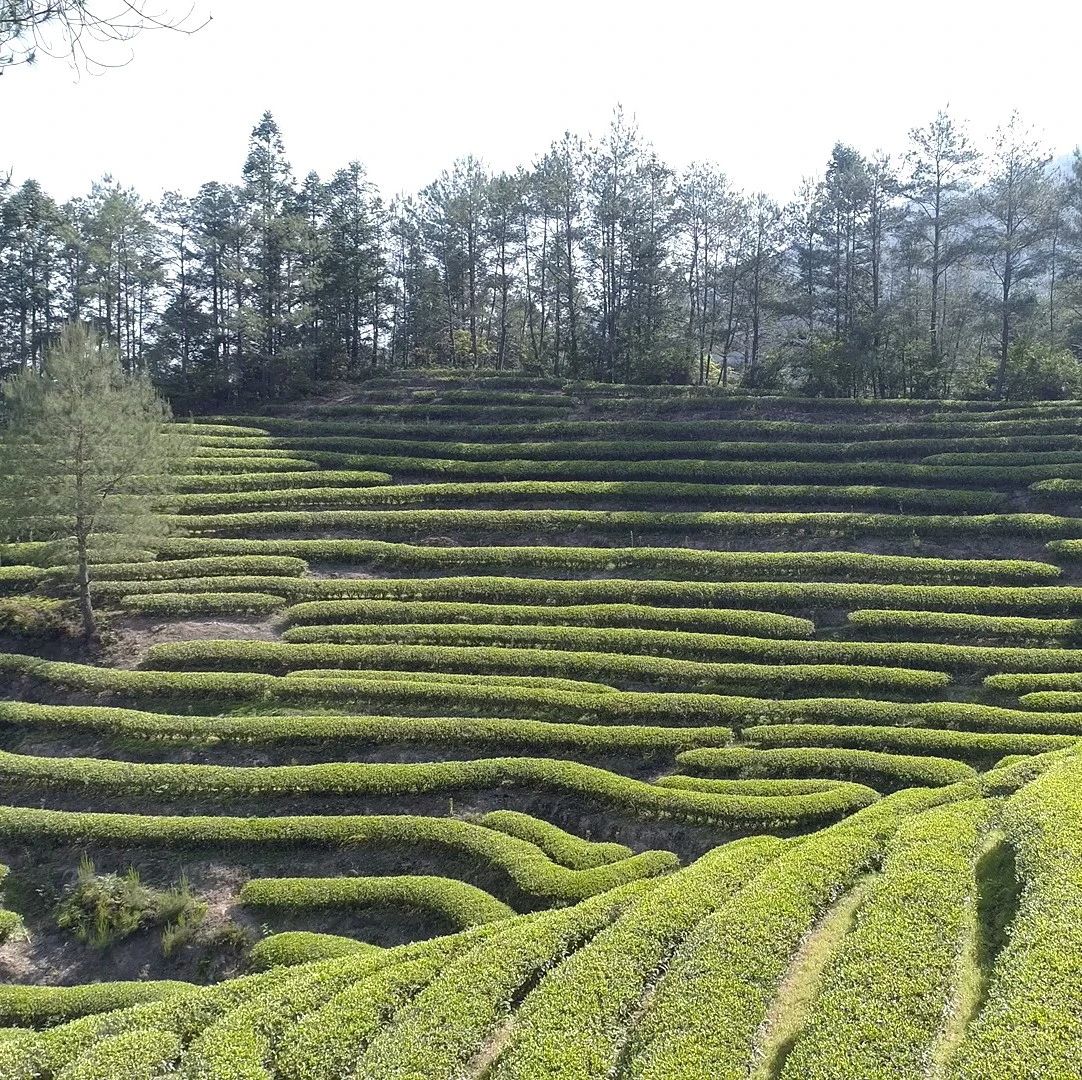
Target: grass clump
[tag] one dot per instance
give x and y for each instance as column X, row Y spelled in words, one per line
column 104, row 909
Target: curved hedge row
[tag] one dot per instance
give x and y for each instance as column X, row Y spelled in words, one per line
column 218, row 462
column 207, row 566
column 328, row 642
column 882, row 770
column 747, row 787
column 794, row 595
column 906, row 740
column 1057, row 488
column 540, row 682
column 274, row 657
column 19, row 578
column 32, row 1006
column 572, row 1026
column 560, row 846
column 1027, row 456
column 473, row 699
column 685, row 470
column 443, row 1029
column 690, row 563
column 885, row 992
column 479, row 700
column 382, row 780
column 641, row 616
column 293, row 947
column 461, row 731
column 720, row 522
column 221, row 499
column 713, row 997
column 184, row 605
column 458, row 903
column 263, row 480
column 1031, row 1022
column 739, row 439
column 526, row 866
column 940, row 624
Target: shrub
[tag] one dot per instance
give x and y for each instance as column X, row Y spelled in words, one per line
column 955, row 625
column 525, row 866
column 102, row 909
column 802, row 596
column 571, row 1026
column 35, row 617
column 374, row 612
column 614, row 790
column 714, row 994
column 459, row 904
column 1031, row 1022
column 608, row 522
column 906, row 740
column 681, row 645
column 224, row 498
column 508, row 734
column 562, row 847
column 294, row 947
column 882, row 770
column 183, row 605
column 884, row 993
column 231, row 655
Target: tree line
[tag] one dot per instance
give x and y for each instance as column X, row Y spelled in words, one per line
column 948, row 270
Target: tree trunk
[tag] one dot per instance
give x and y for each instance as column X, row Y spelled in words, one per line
column 82, row 584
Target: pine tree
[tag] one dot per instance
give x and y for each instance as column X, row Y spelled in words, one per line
column 84, row 450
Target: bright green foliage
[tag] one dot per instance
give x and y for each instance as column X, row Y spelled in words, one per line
column 446, row 1024
column 714, row 995
column 83, row 446
column 523, row 864
column 885, row 992
column 302, row 947
column 613, row 790
column 1031, row 1023
column 881, row 770
column 690, row 563
column 906, row 740
column 345, row 613
column 572, row 1026
column 186, row 605
column 954, row 625
column 459, row 904
column 232, row 655
column 139, row 1055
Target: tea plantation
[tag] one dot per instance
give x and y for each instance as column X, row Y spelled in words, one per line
column 512, row 729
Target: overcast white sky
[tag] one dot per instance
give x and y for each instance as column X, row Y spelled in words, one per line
column 763, row 88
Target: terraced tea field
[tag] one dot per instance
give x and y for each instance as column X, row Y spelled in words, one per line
column 514, row 730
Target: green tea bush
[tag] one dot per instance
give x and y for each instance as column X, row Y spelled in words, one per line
column 458, row 903
column 571, row 1027
column 551, row 776
column 274, row 657
column 882, row 770
column 560, row 846
column 677, row 644
column 906, row 740
column 185, row 605
column 293, row 947
column 642, row 616
column 462, row 731
column 884, row 993
column 1031, row 1021
column 608, row 522
column 713, row 997
column 523, row 864
column 958, row 625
